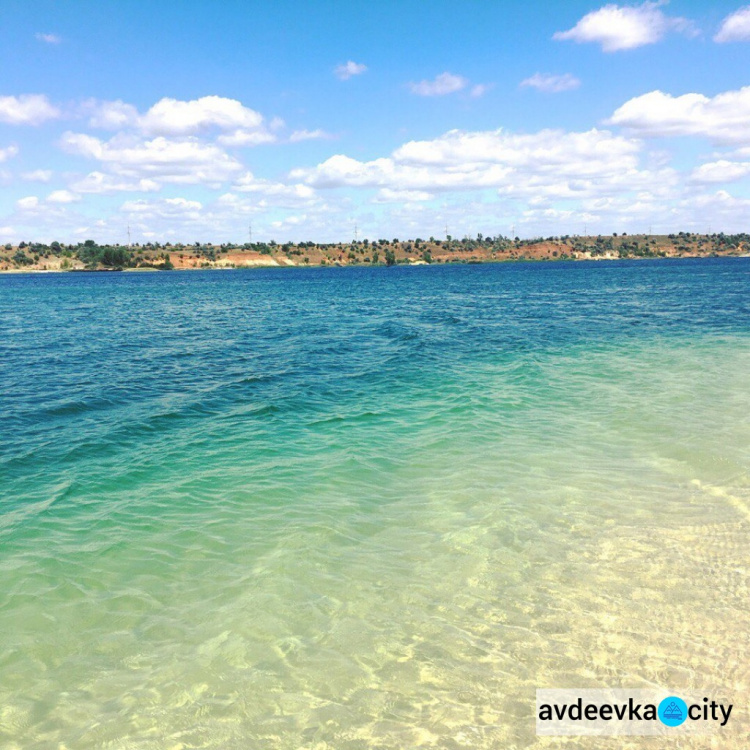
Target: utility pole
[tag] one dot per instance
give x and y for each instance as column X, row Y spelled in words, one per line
column 128, row 236
column 250, row 234
column 356, row 232
column 446, row 231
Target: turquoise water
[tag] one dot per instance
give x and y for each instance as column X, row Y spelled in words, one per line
column 369, row 508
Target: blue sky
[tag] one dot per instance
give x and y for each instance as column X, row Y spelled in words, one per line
column 190, row 121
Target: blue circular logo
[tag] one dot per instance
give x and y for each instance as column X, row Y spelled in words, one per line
column 673, row 711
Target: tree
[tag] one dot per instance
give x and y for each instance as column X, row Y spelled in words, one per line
column 390, row 258
column 21, row 259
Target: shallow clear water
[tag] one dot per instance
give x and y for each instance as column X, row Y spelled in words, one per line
column 369, row 508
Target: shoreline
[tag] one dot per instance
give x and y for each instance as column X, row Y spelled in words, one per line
column 89, row 255
column 413, row 264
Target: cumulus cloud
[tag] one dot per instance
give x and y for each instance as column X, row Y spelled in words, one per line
column 8, row 153
column 551, row 163
column 27, row 109
column 178, row 218
column 175, row 117
column 735, row 27
column 722, row 119
column 552, row 84
column 341, row 170
column 110, row 115
column 280, row 193
column 719, row 209
column 236, row 124
column 163, row 160
column 174, row 142
column 48, row 38
column 721, row 170
column 102, row 183
column 621, row 27
column 223, row 218
column 348, row 69
column 542, row 179
column 445, row 83
column 27, row 204
column 62, row 196
column 246, row 138
column 179, row 206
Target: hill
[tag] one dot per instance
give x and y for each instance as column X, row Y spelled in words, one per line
column 88, row 255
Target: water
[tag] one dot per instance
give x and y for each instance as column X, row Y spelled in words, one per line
column 369, row 508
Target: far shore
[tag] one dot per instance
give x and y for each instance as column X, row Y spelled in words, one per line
column 90, row 256
column 334, row 265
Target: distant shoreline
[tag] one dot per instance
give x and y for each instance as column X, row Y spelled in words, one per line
column 17, row 271
column 89, row 256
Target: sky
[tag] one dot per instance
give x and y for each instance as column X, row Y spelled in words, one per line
column 231, row 121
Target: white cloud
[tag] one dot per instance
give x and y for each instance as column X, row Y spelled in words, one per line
column 341, row 170
column 722, row 118
column 163, row 160
column 348, row 69
column 27, row 204
column 308, row 135
column 246, row 138
column 238, row 125
column 552, row 84
column 101, row 183
column 48, row 38
column 544, row 181
column 550, row 163
column 27, row 109
column 281, row 193
column 62, row 196
column 111, row 115
column 720, row 209
column 721, row 170
column 735, row 27
column 8, row 153
column 620, row 27
column 175, row 117
column 224, row 218
column 164, row 206
column 445, row 83
column 37, row 175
